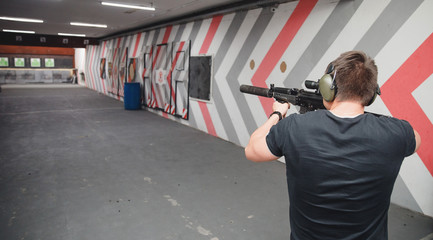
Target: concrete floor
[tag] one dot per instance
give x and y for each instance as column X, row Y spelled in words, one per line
column 76, row 165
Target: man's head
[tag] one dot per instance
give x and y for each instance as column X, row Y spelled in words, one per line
column 355, row 76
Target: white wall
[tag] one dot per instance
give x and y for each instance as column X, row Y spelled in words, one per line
column 80, row 63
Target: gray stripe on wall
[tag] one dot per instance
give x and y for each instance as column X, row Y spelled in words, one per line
column 155, row 37
column 217, row 94
column 96, row 63
column 193, row 35
column 87, row 67
column 182, row 94
column 386, row 25
column 97, row 67
column 228, row 38
column 321, row 42
column 145, row 38
column 179, row 33
column 89, row 80
column 242, row 58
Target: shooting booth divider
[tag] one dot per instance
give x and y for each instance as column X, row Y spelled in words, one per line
column 122, row 72
column 113, row 62
column 162, row 70
column 166, row 78
column 116, row 68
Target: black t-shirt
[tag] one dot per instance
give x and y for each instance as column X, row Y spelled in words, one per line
column 340, row 172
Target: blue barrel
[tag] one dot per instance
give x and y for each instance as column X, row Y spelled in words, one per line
column 132, row 96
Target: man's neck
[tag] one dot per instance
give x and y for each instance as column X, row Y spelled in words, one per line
column 346, row 108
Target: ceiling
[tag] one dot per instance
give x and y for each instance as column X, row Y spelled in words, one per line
column 57, row 14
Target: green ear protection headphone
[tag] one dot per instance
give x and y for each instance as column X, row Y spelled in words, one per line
column 328, row 86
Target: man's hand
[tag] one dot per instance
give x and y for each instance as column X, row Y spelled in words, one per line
column 280, row 107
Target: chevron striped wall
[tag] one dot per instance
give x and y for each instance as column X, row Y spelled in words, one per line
column 294, row 43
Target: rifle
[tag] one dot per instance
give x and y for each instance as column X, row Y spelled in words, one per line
column 307, row 100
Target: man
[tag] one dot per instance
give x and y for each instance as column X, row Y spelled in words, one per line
column 341, row 162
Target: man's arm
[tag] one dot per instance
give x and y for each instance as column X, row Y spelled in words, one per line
column 417, row 140
column 257, row 149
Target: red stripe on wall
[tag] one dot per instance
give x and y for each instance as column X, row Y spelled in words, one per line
column 210, row 34
column 137, row 42
column 203, row 50
column 283, row 40
column 158, row 49
column 397, row 95
column 167, row 34
column 124, row 56
column 207, row 118
column 103, row 49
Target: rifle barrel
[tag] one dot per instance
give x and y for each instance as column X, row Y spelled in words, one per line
column 264, row 92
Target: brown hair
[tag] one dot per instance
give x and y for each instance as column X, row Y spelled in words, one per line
column 356, row 77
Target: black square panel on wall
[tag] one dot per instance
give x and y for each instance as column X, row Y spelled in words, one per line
column 200, row 77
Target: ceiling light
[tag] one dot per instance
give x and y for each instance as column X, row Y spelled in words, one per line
column 18, row 31
column 22, row 19
column 88, row 25
column 127, row 6
column 72, row 34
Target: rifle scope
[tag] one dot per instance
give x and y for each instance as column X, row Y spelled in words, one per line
column 311, row 84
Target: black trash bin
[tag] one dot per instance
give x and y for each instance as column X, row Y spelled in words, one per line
column 132, row 96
